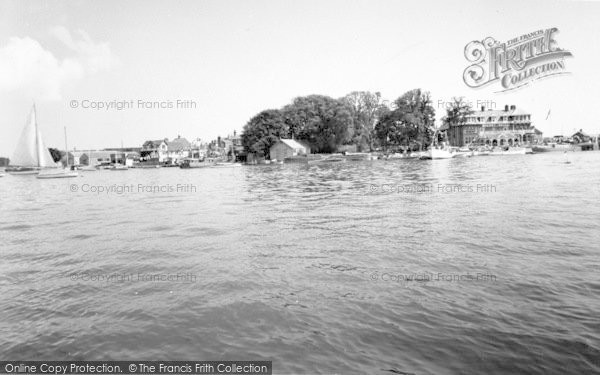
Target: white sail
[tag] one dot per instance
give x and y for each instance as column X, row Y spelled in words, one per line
column 31, row 150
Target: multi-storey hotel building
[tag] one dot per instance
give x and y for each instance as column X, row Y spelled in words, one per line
column 511, row 126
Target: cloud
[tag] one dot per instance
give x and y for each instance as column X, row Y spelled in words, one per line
column 30, row 69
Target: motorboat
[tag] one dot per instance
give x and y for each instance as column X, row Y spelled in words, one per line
column 190, row 163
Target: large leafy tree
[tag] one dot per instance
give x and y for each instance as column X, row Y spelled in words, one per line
column 410, row 123
column 366, row 108
column 457, row 112
column 322, row 121
column 263, row 130
column 419, row 114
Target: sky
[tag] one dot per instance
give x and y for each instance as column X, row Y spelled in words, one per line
column 231, row 59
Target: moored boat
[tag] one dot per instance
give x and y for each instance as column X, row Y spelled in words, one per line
column 57, row 173
column 190, row 163
column 508, row 150
column 118, row 167
column 553, row 147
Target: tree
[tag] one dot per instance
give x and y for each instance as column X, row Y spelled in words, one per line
column 56, row 154
column 457, row 112
column 366, row 108
column 322, row 121
column 410, row 123
column 263, row 130
column 418, row 112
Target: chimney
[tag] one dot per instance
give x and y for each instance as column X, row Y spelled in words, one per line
column 506, row 108
column 234, row 133
column 482, row 108
column 513, row 107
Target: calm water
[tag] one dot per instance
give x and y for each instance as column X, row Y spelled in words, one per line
column 310, row 266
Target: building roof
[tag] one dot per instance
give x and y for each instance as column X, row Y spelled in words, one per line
column 499, row 112
column 292, row 143
column 580, row 133
column 99, row 154
column 179, row 144
column 153, row 144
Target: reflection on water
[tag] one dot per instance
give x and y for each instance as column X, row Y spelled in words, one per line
column 322, row 269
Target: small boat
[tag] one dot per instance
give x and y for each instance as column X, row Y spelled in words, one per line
column 190, row 163
column 18, row 170
column 57, row 173
column 66, row 172
column 553, row 147
column 226, row 165
column 441, row 153
column 508, row 150
column 118, row 167
column 438, row 150
column 88, row 168
column 463, row 154
column 334, row 158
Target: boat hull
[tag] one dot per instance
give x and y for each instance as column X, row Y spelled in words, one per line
column 439, row 154
column 510, row 151
column 22, row 170
column 553, row 148
column 57, row 174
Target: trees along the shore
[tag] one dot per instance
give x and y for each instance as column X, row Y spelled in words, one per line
column 410, row 123
column 366, row 108
column 263, row 130
column 323, row 122
column 457, row 112
column 359, row 118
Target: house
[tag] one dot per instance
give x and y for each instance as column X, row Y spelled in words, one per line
column 583, row 140
column 199, row 149
column 154, row 151
column 132, row 158
column 75, row 157
column 494, row 127
column 94, row 158
column 179, row 148
column 287, row 148
column 232, row 147
column 581, row 137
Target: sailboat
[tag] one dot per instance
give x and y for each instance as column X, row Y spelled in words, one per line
column 118, row 166
column 31, row 155
column 59, row 172
column 89, row 167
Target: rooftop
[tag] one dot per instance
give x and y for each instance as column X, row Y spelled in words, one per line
column 293, row 143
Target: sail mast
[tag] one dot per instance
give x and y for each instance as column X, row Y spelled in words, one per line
column 37, row 136
column 66, row 148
